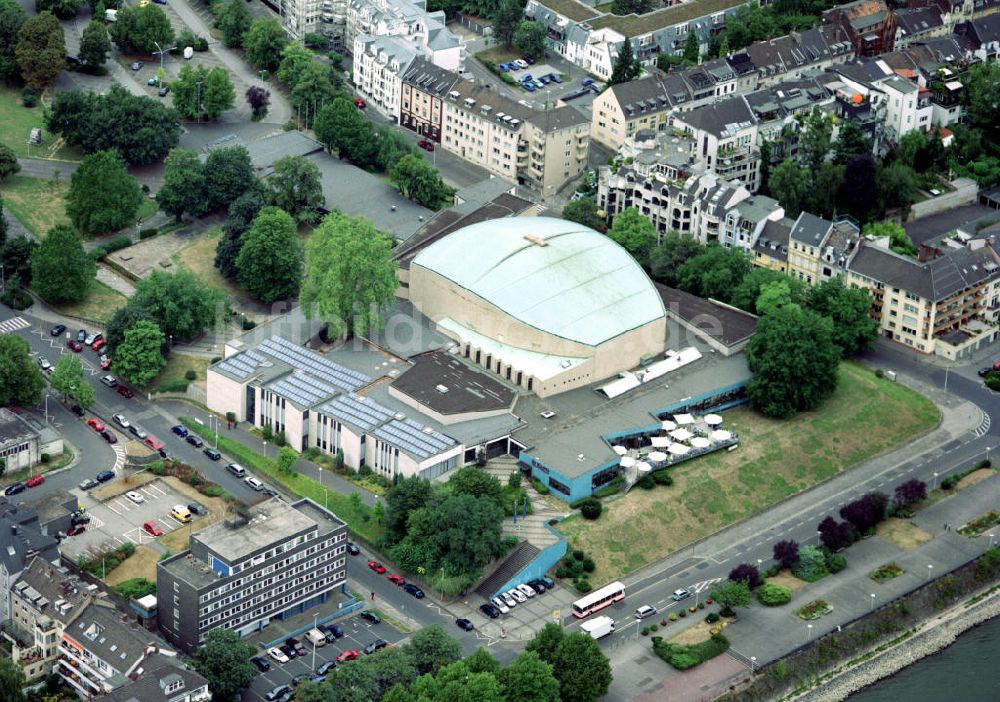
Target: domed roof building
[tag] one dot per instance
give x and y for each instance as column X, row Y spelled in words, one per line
column 546, row 303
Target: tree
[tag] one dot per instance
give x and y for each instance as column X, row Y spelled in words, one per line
column 228, row 174
column 404, row 497
column 67, row 379
column 745, row 573
column 631, row 7
column 269, row 264
column 183, row 189
column 234, row 22
column 467, row 532
column 102, row 196
column 203, row 91
column 786, row 552
column 263, row 43
column 342, row 130
column 317, row 85
column 224, row 660
column 241, row 215
column 21, row 381
column 134, row 588
column 139, row 29
column 790, row 185
column 731, row 594
column 63, row 9
column 584, row 211
column 634, row 233
column 308, row 691
column 138, row 358
column 982, row 86
column 392, row 146
column 350, row 274
column 715, row 273
column 11, row 681
column 455, row 683
column 432, row 649
column 851, row 143
column 746, row 294
column 909, row 493
column 373, row 676
column 8, row 162
column 865, row 512
column 692, row 49
column 218, row 94
column 475, row 481
column 673, row 250
column 811, row 565
column 3, row 229
column 295, row 187
column 95, row 44
column 285, row 460
column 626, row 67
column 419, row 181
column 793, row 360
column 897, row 187
column 294, row 59
column 16, row 257
column 140, row 128
column 546, row 642
column 816, row 139
column 859, row 194
column 61, row 269
column 773, row 296
column 258, row 99
column 482, row 661
column 179, row 303
column 849, row 309
column 831, row 534
column 508, row 17
column 528, row 677
column 899, row 240
column 41, row 50
column 529, row 39
column 11, row 18
column 582, row 669
column 826, row 185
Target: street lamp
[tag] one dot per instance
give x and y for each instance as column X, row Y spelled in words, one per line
column 265, row 449
column 161, row 52
column 934, row 484
column 315, row 618
column 873, row 603
column 930, row 569
column 810, row 630
column 753, row 661
column 991, row 539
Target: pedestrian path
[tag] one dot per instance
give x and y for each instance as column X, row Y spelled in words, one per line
column 12, row 325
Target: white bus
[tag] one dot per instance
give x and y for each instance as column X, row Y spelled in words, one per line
column 598, row 600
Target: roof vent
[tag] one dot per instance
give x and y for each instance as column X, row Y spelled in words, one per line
column 399, row 415
column 536, row 240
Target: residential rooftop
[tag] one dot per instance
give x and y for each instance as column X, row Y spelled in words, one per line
column 724, row 323
column 446, row 385
column 638, row 25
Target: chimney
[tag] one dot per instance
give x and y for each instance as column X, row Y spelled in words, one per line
column 927, row 253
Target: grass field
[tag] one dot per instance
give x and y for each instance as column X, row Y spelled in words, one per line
column 39, row 204
column 177, row 365
column 101, row 302
column 18, row 121
column 776, row 459
column 199, row 258
column 903, row 533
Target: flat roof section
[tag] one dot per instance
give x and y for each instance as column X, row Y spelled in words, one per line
column 723, row 323
column 271, row 522
column 446, row 385
column 638, row 25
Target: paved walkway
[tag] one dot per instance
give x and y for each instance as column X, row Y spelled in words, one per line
column 115, row 280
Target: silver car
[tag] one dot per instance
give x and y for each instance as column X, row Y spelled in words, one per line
column 121, row 421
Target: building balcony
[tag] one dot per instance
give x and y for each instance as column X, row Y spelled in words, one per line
column 79, row 678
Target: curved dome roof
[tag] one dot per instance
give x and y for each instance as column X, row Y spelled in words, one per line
column 558, row 276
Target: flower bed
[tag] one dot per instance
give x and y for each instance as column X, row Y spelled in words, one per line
column 980, row 524
column 814, row 609
column 886, row 572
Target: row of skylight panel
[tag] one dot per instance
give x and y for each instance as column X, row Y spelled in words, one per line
column 391, row 436
column 419, row 429
column 362, row 414
column 338, row 379
column 317, row 362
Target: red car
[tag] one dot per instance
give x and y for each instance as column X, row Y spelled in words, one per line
column 360, row 104
column 123, row 391
column 153, row 443
column 426, row 145
column 348, row 655
column 35, row 481
column 105, row 362
column 74, row 346
column 397, row 579
column 95, row 424
column 151, row 529
column 76, row 530
column 376, row 566
column 99, row 344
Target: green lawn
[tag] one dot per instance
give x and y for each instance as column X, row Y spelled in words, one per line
column 18, row 121
column 39, row 204
column 775, row 459
column 101, row 302
column 177, row 365
column 358, row 519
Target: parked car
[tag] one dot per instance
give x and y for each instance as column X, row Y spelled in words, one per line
column 521, row 63
column 288, row 650
column 153, row 443
column 333, row 632
column 538, row 586
column 95, row 424
column 79, row 517
column 121, row 421
column 76, row 530
column 397, row 579
column 162, row 92
column 587, row 81
column 529, row 60
column 517, row 595
column 489, row 610
column 530, row 87
column 645, row 611
column 110, row 436
column 253, row 483
column 508, row 599
column 348, row 655
column 197, row 508
column 180, row 430
column 35, row 481
column 325, row 668
column 353, row 549
column 300, row 650
column 211, row 453
column 58, row 330
column 137, row 65
column 81, row 335
column 151, row 529
column 500, row 605
column 360, row 104
column 44, row 364
column 104, row 476
column 77, row 410
column 300, row 678
column 983, row 372
column 370, row 616
column 195, row 440
column 526, row 590
column 681, row 593
column 278, row 655
column 277, row 692
column 544, row 80
column 138, row 431
column 88, row 484
column 426, row 145
column 262, row 664
column 124, row 391
column 376, row 566
column 554, row 77
column 15, row 489
column 109, row 380
column 465, row 624
column 92, row 337
column 414, row 590
column 99, row 344
column 135, row 497
column 376, row 645
column 74, row 346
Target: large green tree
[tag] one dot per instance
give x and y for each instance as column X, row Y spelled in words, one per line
column 61, row 269
column 731, row 594
column 139, row 357
column 714, row 273
column 183, row 189
column 11, row 681
column 317, row 85
column 529, row 39
column 850, row 310
column 546, row 642
column 63, row 9
column 95, row 45
column 455, row 683
column 234, row 22
column 634, row 233
column 241, row 215
column 8, row 163
column 103, row 196
column 373, row 676
column 584, row 211
column 528, row 677
column 350, row 274
column 263, row 43
column 224, row 660
column 295, row 187
column 229, row 173
column 343, row 131
column 793, row 360
column 692, row 49
column 417, row 180
column 21, row 380
column 179, row 303
column 41, row 50
column 582, row 669
column 626, row 67
column 467, row 532
column 139, row 29
column 667, row 258
column 982, row 95
column 203, row 91
column 815, row 139
column 431, row 649
column 403, row 498
column 509, row 15
column 748, row 290
column 791, row 185
column 67, row 379
column 270, row 258
column 851, row 142
column 897, row 187
column 473, row 480
column 295, row 57
column 11, row 18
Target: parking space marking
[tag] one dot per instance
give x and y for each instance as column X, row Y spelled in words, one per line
column 108, row 505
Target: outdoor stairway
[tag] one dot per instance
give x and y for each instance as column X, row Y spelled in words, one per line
column 534, row 528
column 501, row 468
column 523, row 554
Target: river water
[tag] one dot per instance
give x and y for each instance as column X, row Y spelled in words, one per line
column 966, row 671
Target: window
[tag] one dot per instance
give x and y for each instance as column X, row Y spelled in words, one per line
column 558, row 486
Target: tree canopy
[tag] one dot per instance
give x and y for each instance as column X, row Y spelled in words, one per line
column 342, row 130
column 350, row 275
column 228, row 174
column 224, row 660
column 431, row 649
column 626, row 67
column 138, row 29
column 11, row 681
column 139, row 357
column 714, row 273
column 295, row 187
column 270, row 258
column 584, row 211
column 849, row 308
column 67, row 379
column 242, row 212
column 529, row 39
column 61, row 269
column 103, row 196
column 582, row 669
column 635, row 233
column 528, row 677
column 790, row 184
column 509, row 15
column 234, row 22
column 672, row 252
column 95, row 45
column 21, row 380
column 419, row 181
column 11, row 18
column 183, row 189
column 41, row 50
column 263, row 43
column 203, row 91
column 179, row 303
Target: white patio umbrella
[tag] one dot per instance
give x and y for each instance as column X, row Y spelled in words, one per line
column 679, row 449
column 681, row 434
column 643, row 467
column 700, row 442
column 660, row 441
column 720, row 435
column 683, row 419
column 620, row 450
column 713, row 420
column 657, row 456
column 668, row 425
column 626, row 462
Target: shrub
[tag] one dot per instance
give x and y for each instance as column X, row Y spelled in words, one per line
column 190, row 375
column 683, row 613
column 588, row 564
column 811, row 565
column 645, row 631
column 514, row 479
column 654, row 627
column 673, row 617
column 712, row 618
column 279, row 439
column 813, row 610
column 747, row 573
column 835, row 562
column 148, row 233
column 45, row 458
column 539, row 486
column 583, row 585
column 591, row 508
column 266, row 432
column 612, row 488
column 578, row 554
column 663, row 477
column 647, row 482
column 886, row 572
column 210, row 490
column 879, row 373
column 771, row 595
column 684, row 656
column 29, row 98
column 950, row 482
column 701, row 605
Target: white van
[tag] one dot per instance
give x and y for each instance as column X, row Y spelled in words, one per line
column 316, row 637
column 236, row 469
column 253, row 483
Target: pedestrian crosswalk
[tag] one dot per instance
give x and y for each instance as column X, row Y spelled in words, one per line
column 12, row 325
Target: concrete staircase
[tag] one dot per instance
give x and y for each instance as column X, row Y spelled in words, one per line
column 533, row 528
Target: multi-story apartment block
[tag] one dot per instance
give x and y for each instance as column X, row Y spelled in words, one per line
column 423, row 90
column 917, row 24
column 870, row 24
column 790, row 56
column 982, row 36
column 241, row 573
column 21, row 540
column 726, row 134
column 819, row 249
column 379, row 65
column 410, row 20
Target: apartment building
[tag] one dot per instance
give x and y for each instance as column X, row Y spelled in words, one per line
column 726, row 137
column 819, row 249
column 166, row 683
column 790, row 56
column 870, row 24
column 21, row 540
column 423, row 90
column 409, row 20
column 239, row 574
column 379, row 65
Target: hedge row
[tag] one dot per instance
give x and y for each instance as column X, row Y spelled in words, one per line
column 684, row 656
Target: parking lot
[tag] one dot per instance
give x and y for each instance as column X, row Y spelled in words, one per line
column 357, row 634
column 115, row 519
